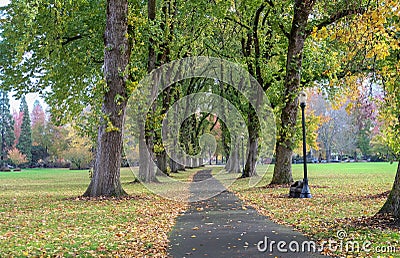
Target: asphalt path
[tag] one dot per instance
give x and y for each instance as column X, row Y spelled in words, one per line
column 222, row 226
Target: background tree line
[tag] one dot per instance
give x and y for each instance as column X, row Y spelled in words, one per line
column 32, row 140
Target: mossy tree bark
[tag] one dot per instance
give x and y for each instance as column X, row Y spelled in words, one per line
column 285, row 141
column 392, row 204
column 106, row 174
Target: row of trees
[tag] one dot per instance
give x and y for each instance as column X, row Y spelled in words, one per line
column 15, row 133
column 285, row 45
column 31, row 139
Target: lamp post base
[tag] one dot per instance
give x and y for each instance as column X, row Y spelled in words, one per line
column 305, row 191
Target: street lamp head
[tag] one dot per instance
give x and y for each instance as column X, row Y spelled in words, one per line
column 302, row 97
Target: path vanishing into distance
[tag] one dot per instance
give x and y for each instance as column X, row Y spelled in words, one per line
column 222, row 226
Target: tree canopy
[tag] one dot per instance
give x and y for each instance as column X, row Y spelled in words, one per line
column 67, row 51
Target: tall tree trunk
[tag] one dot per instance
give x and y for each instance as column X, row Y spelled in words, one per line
column 181, row 160
column 189, row 162
column 106, row 174
column 162, row 157
column 163, row 57
column 285, row 141
column 328, row 155
column 181, row 167
column 162, row 163
column 252, row 153
column 250, row 167
column 230, row 160
column 228, row 164
column 253, row 126
column 151, row 16
column 146, row 145
column 196, row 162
column 3, row 148
column 173, row 165
column 146, row 165
column 392, row 205
column 234, row 162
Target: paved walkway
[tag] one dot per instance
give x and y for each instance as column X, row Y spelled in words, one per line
column 223, row 227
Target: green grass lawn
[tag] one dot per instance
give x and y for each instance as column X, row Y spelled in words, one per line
column 344, row 196
column 40, row 214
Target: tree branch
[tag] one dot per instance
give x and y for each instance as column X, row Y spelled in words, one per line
column 257, row 43
column 238, row 22
column 219, row 53
column 216, row 121
column 336, row 17
column 287, row 34
column 67, row 40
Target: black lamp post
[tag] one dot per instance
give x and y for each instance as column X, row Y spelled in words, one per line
column 305, row 192
column 242, row 156
column 209, row 154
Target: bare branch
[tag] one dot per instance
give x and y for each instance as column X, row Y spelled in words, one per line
column 238, row 22
column 67, row 40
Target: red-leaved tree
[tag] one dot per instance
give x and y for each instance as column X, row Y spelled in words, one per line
column 17, row 116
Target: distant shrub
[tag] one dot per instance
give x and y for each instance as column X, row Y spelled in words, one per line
column 17, row 157
column 79, row 158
